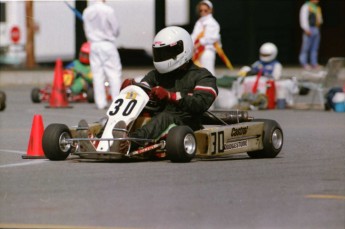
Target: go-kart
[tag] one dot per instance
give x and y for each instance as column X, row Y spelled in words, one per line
column 224, row 133
column 39, row 95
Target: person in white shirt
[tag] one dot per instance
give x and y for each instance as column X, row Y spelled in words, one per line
column 205, row 34
column 102, row 29
column 310, row 22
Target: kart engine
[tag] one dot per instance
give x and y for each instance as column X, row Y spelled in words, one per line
column 225, row 117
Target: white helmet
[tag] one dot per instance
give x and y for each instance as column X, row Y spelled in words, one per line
column 268, row 52
column 172, row 47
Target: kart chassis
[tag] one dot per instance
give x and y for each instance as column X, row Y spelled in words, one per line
column 221, row 137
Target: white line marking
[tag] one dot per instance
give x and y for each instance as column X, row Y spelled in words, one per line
column 31, row 162
column 12, row 151
column 21, row 164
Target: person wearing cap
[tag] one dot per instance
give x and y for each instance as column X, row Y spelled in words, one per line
column 205, row 34
column 102, row 29
column 310, row 21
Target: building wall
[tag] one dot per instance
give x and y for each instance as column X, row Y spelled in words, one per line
column 245, row 25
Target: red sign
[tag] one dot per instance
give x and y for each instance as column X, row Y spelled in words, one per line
column 15, row 34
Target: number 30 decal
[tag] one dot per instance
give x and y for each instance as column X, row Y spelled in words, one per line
column 217, row 142
column 128, row 109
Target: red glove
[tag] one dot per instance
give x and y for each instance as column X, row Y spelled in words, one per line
column 163, row 94
column 126, row 83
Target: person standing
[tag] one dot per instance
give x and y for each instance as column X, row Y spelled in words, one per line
column 310, row 22
column 205, row 34
column 102, row 29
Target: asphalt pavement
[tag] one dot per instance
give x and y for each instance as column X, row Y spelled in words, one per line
column 45, row 75
column 304, row 187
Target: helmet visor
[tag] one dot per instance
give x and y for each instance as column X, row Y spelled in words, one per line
column 265, row 54
column 164, row 53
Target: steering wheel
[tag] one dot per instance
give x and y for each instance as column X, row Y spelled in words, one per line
column 143, row 86
column 152, row 105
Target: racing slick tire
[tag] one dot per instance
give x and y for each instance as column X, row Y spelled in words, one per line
column 181, row 144
column 36, row 95
column 52, row 142
column 90, row 95
column 2, row 101
column 273, row 139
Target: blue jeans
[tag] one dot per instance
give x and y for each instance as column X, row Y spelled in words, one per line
column 310, row 47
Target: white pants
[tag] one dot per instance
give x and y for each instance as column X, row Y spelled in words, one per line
column 105, row 66
column 207, row 60
column 286, row 89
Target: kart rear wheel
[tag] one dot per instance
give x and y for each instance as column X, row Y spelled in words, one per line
column 54, row 142
column 181, row 144
column 36, row 95
column 273, row 140
column 90, row 95
column 2, row 101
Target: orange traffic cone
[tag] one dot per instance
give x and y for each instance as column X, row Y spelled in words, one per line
column 58, row 96
column 35, row 150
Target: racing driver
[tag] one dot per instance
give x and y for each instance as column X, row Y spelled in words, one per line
column 186, row 89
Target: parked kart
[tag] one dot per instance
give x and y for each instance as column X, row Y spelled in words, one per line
column 224, row 133
column 39, row 95
column 2, row 100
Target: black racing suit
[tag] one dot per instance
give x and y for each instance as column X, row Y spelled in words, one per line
column 198, row 89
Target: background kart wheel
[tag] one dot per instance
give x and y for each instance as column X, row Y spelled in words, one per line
column 272, row 140
column 181, row 144
column 303, row 90
column 53, row 143
column 2, row 101
column 90, row 95
column 36, row 95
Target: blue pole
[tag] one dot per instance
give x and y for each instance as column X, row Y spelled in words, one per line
column 76, row 12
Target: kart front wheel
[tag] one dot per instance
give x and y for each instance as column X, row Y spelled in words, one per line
column 272, row 139
column 54, row 142
column 181, row 144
